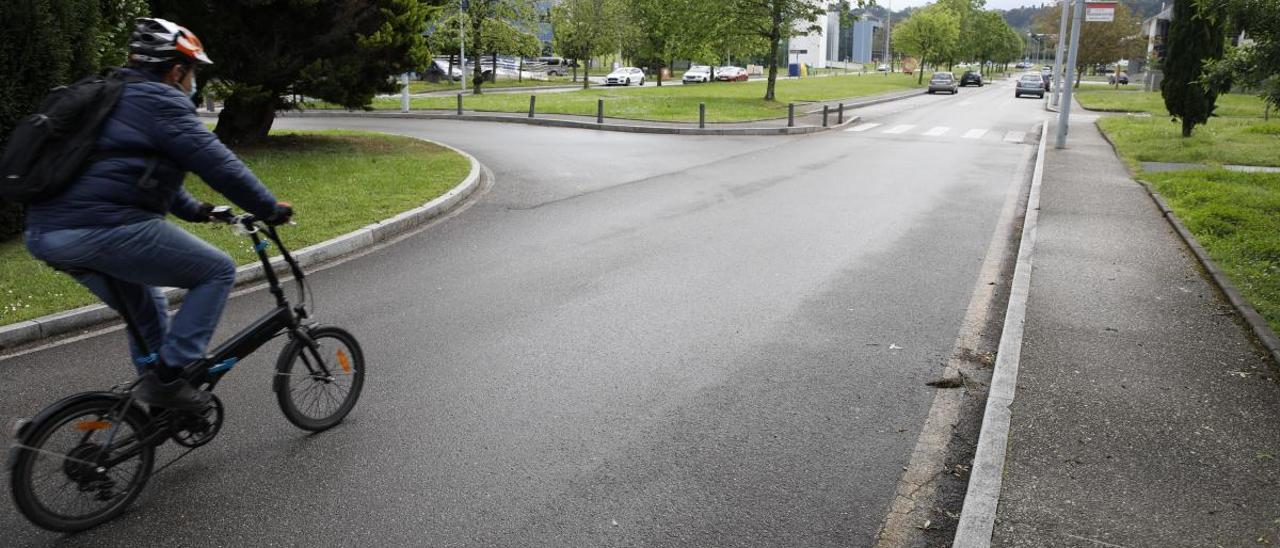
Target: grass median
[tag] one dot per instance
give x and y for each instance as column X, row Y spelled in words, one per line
column 1235, row 216
column 337, row 181
column 726, row 102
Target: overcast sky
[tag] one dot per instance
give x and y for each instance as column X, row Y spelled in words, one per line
column 991, row 4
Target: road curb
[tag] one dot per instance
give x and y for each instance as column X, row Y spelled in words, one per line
column 518, row 118
column 1261, row 329
column 380, row 231
column 982, row 497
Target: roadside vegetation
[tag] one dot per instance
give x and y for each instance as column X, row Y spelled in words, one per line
column 337, row 181
column 1235, row 216
column 726, row 102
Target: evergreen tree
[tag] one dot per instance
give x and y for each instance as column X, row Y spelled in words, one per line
column 37, row 54
column 1196, row 35
column 269, row 54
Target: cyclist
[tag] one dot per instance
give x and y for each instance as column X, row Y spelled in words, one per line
column 111, row 222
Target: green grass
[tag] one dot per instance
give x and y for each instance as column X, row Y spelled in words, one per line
column 1133, row 99
column 337, row 181
column 1236, row 217
column 1243, row 141
column 726, row 102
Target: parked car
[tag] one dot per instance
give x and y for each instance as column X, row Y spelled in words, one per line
column 882, row 68
column 971, row 77
column 697, row 74
column 731, row 74
column 557, row 66
column 1022, row 65
column 943, row 81
column 625, row 76
column 1030, row 84
column 1123, row 77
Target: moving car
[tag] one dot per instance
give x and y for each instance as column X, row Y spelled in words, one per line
column 1123, row 77
column 971, row 77
column 556, row 66
column 882, row 68
column 943, row 81
column 625, row 76
column 1029, row 84
column 731, row 74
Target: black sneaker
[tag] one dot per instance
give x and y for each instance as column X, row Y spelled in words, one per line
column 176, row 394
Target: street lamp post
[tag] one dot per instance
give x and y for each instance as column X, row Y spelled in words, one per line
column 1057, row 57
column 462, row 42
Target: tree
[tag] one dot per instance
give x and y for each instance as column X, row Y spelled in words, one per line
column 1196, row 35
column 498, row 26
column 930, row 34
column 587, row 28
column 271, row 54
column 1255, row 64
column 36, row 55
column 774, row 21
column 992, row 38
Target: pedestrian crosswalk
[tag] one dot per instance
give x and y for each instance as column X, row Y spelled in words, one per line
column 1016, row 137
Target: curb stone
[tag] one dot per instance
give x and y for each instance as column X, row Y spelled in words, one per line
column 380, row 231
column 982, row 496
column 518, row 118
column 1261, row 329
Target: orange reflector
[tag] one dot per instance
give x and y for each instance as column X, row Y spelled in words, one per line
column 85, row 426
column 343, row 361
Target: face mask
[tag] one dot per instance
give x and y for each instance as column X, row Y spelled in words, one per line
column 194, row 89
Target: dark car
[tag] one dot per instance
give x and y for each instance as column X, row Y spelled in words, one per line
column 1123, row 77
column 1029, row 84
column 971, row 78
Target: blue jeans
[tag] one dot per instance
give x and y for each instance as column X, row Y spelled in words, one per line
column 142, row 257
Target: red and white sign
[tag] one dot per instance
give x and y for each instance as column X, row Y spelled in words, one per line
column 1099, row 12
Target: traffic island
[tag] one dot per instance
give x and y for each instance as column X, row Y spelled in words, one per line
column 350, row 190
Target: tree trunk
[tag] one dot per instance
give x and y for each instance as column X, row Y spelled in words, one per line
column 586, row 74
column 246, row 118
column 775, row 36
column 477, row 71
column 920, row 77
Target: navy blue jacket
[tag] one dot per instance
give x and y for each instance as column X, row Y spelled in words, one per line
column 151, row 119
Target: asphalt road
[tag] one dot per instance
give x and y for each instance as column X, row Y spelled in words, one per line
column 627, row 340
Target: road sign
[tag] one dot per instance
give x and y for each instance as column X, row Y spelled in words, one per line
column 1099, row 12
column 800, row 51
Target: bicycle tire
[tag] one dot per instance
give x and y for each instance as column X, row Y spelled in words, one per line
column 80, row 412
column 341, row 352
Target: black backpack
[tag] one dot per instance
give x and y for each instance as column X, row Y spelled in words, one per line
column 49, row 149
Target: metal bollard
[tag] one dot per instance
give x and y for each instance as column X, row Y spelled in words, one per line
column 600, row 111
column 533, row 101
column 459, row 104
column 840, row 114
column 702, row 116
column 791, row 115
column 826, row 110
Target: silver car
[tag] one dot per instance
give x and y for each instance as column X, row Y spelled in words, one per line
column 1030, row 84
column 943, row 81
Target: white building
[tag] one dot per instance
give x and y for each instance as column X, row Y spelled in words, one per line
column 817, row 47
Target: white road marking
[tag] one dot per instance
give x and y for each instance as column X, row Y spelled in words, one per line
column 862, row 127
column 975, row 133
column 1015, row 136
column 937, row 131
column 900, row 129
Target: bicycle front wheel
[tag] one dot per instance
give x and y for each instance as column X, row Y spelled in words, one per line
column 82, row 465
column 318, row 385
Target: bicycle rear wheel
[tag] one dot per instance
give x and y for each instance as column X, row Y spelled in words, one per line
column 317, row 387
column 82, row 465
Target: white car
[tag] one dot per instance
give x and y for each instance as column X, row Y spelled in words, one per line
column 697, row 74
column 883, row 68
column 625, row 76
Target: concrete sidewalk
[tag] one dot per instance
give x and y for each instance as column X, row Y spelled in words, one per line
column 1145, row 415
